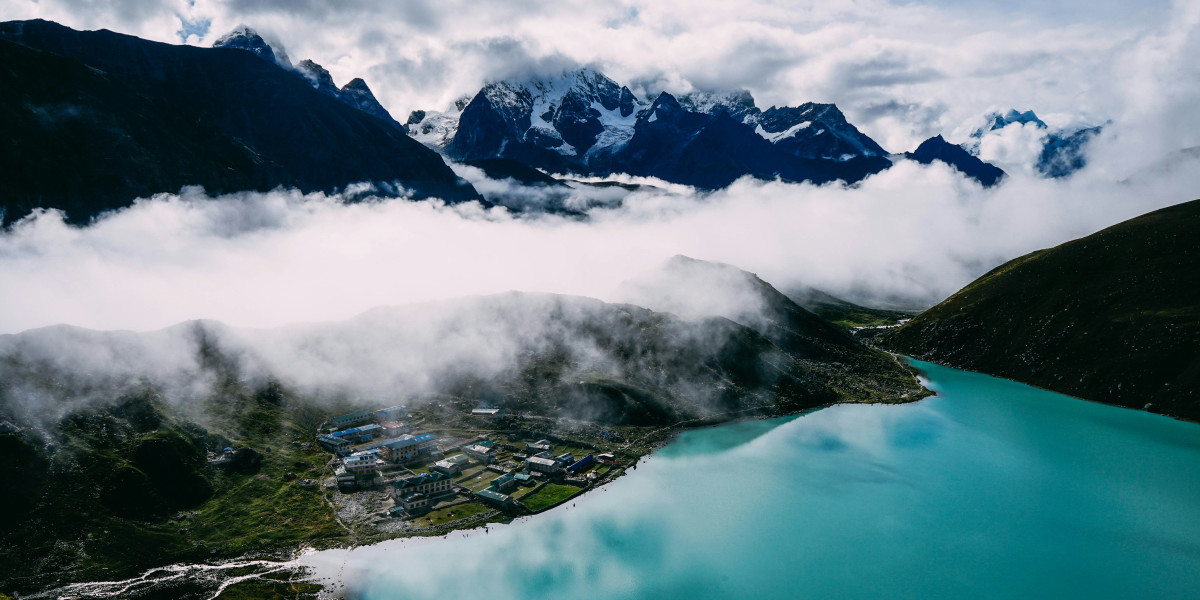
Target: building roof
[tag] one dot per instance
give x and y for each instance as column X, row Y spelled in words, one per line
column 459, row 459
column 486, row 411
column 354, row 415
column 418, row 480
column 581, row 463
column 537, row 460
column 493, row 495
column 357, row 459
column 424, row 437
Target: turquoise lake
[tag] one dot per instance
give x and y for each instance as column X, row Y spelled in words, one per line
column 991, row 489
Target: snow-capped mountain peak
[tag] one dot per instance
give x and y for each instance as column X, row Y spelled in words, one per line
column 318, row 76
column 738, row 104
column 996, row 120
column 245, row 38
column 435, row 128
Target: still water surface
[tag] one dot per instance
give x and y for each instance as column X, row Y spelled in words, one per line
column 991, row 489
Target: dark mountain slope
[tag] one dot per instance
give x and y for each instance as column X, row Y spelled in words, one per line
column 583, row 122
column 711, row 151
column 1112, row 317
column 99, row 119
column 936, row 148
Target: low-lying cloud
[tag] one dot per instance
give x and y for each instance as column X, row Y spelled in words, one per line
column 913, row 234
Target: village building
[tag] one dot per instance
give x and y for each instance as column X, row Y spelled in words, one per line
column 394, row 428
column 537, row 447
column 564, row 459
column 582, row 464
column 391, row 413
column 488, row 412
column 497, row 499
column 362, row 464
column 523, row 478
column 413, row 502
column 542, row 465
column 430, row 484
column 484, row 452
column 359, row 434
column 352, row 419
column 447, row 467
column 410, row 447
column 504, row 484
column 333, row 444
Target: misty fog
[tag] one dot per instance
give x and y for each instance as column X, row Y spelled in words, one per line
column 911, row 235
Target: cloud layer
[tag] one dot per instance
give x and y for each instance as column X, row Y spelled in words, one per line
column 913, row 234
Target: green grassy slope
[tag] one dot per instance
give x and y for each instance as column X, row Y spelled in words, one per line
column 1112, row 317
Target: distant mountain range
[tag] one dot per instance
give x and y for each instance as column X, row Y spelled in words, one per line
column 580, row 121
column 1113, row 317
column 95, row 119
column 1064, row 151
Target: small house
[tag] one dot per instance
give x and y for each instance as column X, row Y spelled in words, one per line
column 391, row 413
column 492, row 413
column 333, row 444
column 431, row 484
column 482, row 453
column 352, row 419
column 504, row 484
column 361, row 464
column 447, row 467
column 497, row 499
column 542, row 465
column 394, row 428
column 413, row 502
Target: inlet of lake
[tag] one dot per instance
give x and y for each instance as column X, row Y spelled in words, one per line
column 991, row 489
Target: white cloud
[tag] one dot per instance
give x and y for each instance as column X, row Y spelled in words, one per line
column 261, row 259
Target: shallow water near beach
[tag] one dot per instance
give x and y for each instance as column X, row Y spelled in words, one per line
column 991, row 489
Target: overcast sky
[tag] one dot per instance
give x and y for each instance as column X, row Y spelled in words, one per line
column 902, row 70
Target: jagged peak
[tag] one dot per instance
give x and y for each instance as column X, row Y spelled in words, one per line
column 244, row 37
column 317, row 75
column 996, row 120
column 357, row 85
column 738, row 103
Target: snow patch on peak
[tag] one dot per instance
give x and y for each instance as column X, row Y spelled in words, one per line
column 435, row 128
column 245, row 38
column 775, row 137
column 738, row 104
